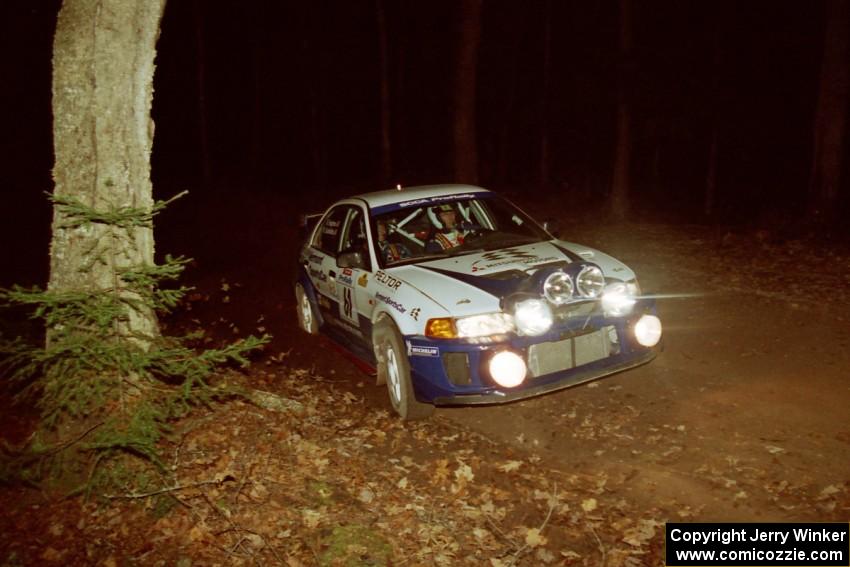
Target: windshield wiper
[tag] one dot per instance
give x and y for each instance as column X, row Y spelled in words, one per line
column 425, row 258
column 464, row 251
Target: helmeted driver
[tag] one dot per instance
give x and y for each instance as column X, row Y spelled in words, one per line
column 448, row 234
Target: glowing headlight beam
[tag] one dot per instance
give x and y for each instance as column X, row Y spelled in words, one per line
column 533, row 317
column 617, row 301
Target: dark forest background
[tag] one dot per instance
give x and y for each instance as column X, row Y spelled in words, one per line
column 315, row 100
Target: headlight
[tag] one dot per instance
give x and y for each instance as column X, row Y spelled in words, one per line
column 590, row 281
column 483, row 325
column 533, row 317
column 648, row 330
column 617, row 300
column 558, row 288
column 507, row 369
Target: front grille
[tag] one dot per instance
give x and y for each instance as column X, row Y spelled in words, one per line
column 555, row 356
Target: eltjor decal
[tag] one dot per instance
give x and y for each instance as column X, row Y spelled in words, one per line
column 387, row 280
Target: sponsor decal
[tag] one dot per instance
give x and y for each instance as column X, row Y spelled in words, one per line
column 415, row 313
column 416, row 350
column 331, row 228
column 391, row 302
column 363, row 280
column 442, row 199
column 318, row 274
column 346, row 277
column 387, row 280
column 506, row 257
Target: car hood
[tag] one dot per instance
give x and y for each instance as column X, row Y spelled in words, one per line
column 477, row 282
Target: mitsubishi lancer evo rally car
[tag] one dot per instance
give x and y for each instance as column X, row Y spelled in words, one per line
column 456, row 296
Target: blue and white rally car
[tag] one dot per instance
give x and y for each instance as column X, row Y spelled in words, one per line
column 456, row 296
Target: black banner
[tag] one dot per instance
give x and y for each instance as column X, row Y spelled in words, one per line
column 758, row 544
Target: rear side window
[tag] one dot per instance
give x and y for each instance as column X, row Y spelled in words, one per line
column 330, row 230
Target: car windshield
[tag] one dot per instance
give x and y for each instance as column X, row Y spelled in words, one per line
column 451, row 227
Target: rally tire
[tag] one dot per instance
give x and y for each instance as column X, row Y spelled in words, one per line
column 307, row 319
column 394, row 368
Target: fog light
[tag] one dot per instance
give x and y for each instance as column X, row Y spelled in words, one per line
column 507, row 369
column 648, row 330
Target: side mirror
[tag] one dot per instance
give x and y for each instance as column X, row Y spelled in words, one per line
column 552, row 226
column 351, row 260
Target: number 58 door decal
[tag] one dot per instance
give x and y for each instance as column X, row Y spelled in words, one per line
column 346, row 307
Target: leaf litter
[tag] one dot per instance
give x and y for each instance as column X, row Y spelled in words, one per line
column 309, row 474
column 321, row 478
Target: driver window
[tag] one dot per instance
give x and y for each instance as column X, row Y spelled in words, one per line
column 328, row 236
column 354, row 237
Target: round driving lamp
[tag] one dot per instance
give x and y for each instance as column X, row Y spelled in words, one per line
column 590, row 281
column 558, row 288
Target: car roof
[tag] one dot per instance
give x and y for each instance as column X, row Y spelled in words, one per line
column 378, row 199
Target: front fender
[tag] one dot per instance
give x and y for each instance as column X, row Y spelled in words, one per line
column 408, row 308
column 302, row 278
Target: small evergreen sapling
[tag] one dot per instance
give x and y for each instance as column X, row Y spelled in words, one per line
column 107, row 395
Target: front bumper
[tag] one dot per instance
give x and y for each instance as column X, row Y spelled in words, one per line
column 566, row 379
column 455, row 372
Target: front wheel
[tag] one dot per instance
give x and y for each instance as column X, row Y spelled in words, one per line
column 394, row 368
column 306, row 314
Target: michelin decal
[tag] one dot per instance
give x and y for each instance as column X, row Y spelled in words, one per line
column 417, row 350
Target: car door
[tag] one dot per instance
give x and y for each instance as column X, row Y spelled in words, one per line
column 350, row 282
column 321, row 262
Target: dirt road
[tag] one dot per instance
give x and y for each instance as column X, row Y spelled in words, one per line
column 743, row 417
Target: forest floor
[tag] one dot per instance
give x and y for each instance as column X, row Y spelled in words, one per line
column 743, row 417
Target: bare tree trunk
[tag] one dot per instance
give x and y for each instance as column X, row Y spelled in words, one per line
column 257, row 74
column 383, row 54
column 103, row 65
column 316, row 93
column 201, row 76
column 543, row 166
column 509, row 87
column 399, row 96
column 466, row 145
column 710, row 199
column 831, row 114
column 621, row 182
